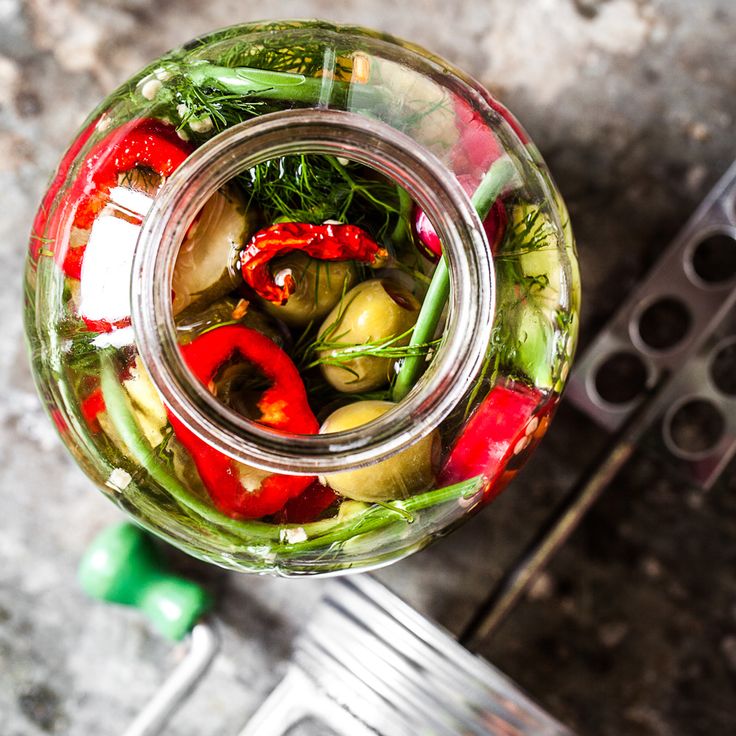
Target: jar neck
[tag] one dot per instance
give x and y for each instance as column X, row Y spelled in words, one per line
column 398, row 157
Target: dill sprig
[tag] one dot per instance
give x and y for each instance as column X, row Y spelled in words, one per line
column 336, row 352
column 195, row 102
column 313, row 188
column 532, row 232
column 221, row 96
column 77, row 342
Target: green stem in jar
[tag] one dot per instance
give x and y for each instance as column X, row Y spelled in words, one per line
column 338, row 528
column 401, row 232
column 376, row 517
column 493, row 183
column 123, row 420
column 262, row 84
column 257, row 82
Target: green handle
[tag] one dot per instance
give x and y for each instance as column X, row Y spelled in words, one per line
column 123, row 565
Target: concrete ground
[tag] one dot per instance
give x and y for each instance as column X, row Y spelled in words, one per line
column 633, row 628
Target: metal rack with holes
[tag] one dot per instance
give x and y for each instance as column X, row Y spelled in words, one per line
column 676, row 328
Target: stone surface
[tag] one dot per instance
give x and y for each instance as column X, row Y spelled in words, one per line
column 632, row 103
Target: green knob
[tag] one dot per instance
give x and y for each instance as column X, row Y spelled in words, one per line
column 123, row 565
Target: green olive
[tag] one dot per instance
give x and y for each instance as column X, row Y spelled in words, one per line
column 192, row 322
column 205, row 266
column 318, row 287
column 407, row 472
column 374, row 311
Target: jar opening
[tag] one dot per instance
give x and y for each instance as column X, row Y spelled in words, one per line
column 399, row 158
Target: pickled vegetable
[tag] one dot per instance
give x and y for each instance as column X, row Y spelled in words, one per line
column 310, row 295
column 376, row 312
column 406, row 473
column 318, row 287
column 205, row 267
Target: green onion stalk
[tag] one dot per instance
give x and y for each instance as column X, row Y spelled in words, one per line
column 493, row 183
column 334, row 530
column 243, row 84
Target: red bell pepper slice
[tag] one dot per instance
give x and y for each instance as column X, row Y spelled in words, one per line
column 283, row 406
column 308, row 505
column 505, row 423
column 327, row 242
column 145, row 142
column 477, row 147
column 92, row 407
column 42, row 235
column 148, row 143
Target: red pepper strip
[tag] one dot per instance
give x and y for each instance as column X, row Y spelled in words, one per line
column 92, row 407
column 501, row 427
column 309, row 505
column 43, row 236
column 144, row 142
column 105, row 325
column 283, row 406
column 326, row 242
column 477, row 147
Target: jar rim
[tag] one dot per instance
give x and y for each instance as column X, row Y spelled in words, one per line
column 430, row 184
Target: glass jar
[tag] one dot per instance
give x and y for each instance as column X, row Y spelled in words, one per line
column 154, row 330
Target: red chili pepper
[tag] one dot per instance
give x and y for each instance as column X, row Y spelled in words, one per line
column 92, row 407
column 326, row 242
column 505, row 423
column 283, row 406
column 477, row 147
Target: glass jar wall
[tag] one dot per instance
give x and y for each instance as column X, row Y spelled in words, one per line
column 300, row 297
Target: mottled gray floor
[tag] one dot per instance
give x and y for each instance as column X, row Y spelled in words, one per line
column 633, row 631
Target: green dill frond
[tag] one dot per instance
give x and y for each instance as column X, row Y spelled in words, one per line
column 535, row 283
column 313, row 188
column 224, row 108
column 140, row 177
column 339, row 353
column 80, row 353
column 533, row 232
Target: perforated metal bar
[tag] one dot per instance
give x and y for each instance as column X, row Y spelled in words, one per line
column 674, row 322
